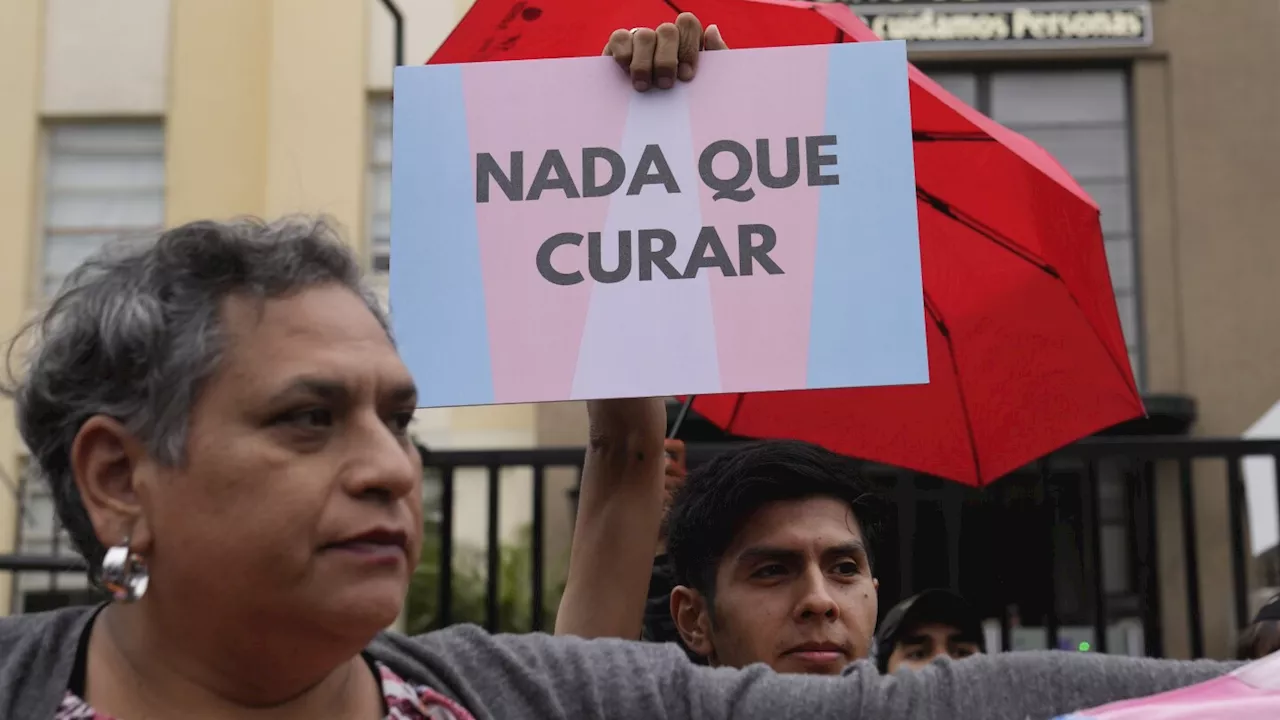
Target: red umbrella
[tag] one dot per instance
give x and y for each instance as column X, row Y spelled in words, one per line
column 1025, row 348
column 538, row 29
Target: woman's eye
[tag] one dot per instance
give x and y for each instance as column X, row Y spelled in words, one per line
column 313, row 417
column 400, row 422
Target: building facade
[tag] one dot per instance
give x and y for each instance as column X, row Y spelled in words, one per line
column 120, row 118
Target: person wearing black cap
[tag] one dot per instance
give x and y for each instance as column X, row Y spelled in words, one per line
column 923, row 627
column 1262, row 637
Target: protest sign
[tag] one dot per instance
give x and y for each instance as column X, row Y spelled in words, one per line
column 557, row 235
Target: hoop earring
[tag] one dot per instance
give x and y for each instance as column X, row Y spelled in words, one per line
column 124, row 573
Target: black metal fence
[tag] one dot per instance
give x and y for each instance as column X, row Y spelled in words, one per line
column 1062, row 553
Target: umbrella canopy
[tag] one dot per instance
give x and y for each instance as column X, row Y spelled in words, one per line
column 1026, row 353
column 539, row 29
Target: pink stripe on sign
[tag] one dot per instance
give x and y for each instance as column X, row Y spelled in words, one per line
column 1220, row 698
column 535, row 327
column 762, row 321
column 1252, row 692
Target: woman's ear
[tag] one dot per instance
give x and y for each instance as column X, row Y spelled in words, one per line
column 693, row 619
column 105, row 462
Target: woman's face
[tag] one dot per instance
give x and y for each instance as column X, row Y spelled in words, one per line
column 299, row 502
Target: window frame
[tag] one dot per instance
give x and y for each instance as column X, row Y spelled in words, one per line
column 37, row 294
column 373, row 171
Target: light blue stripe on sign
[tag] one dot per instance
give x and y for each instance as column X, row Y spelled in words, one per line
column 867, row 323
column 431, row 189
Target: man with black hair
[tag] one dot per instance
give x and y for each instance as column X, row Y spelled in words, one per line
column 935, row 623
column 770, row 545
column 767, row 560
column 1262, row 637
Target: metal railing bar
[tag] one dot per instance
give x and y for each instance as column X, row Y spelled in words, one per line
column 15, row 562
column 1236, row 509
column 493, row 552
column 1050, row 521
column 1190, row 559
column 1096, row 580
column 1140, row 448
column 538, row 551
column 444, row 605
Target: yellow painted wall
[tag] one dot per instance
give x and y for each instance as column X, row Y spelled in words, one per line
column 279, row 125
column 317, row 111
column 215, row 132
column 105, row 57
column 21, row 32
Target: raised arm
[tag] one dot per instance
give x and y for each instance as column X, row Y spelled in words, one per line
column 619, row 512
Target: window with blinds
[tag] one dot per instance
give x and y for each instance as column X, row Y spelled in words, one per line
column 379, row 201
column 1081, row 116
column 103, row 182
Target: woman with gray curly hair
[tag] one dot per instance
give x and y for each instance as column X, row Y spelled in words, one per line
column 222, row 417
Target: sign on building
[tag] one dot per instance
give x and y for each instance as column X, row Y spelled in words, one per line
column 1025, row 24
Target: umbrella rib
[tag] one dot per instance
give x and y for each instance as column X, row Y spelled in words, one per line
column 936, row 316
column 1013, row 247
column 984, row 230
column 929, row 136
column 1128, row 379
column 733, row 416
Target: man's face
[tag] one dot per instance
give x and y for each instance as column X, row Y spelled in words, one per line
column 923, row 644
column 794, row 590
column 307, row 485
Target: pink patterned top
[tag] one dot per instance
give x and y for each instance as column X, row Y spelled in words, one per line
column 404, row 702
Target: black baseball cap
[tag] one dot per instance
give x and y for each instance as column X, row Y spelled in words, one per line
column 938, row 606
column 1270, row 611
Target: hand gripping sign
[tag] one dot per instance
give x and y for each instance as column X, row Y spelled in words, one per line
column 556, row 235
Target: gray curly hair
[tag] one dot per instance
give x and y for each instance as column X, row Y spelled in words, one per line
column 133, row 334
